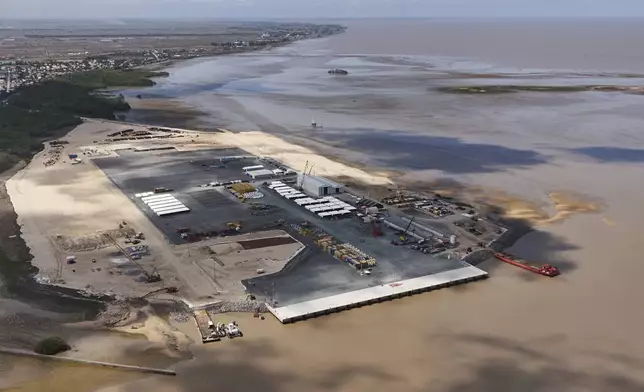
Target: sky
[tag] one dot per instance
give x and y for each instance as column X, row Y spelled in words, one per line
column 258, row 9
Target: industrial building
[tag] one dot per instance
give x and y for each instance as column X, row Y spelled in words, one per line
column 325, row 207
column 318, row 186
column 251, row 168
column 260, row 174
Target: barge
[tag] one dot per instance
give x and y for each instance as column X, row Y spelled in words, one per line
column 545, row 270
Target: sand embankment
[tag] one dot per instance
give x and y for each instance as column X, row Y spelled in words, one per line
column 263, row 144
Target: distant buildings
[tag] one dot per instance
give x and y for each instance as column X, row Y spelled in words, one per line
column 16, row 73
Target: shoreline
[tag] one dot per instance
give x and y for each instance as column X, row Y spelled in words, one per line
column 17, row 273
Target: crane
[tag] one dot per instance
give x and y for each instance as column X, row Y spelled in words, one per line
column 301, row 180
column 150, row 278
column 403, row 237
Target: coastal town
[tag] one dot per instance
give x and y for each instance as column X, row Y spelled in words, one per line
column 18, row 72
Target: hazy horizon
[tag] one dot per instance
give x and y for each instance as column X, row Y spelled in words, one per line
column 250, row 9
column 311, row 19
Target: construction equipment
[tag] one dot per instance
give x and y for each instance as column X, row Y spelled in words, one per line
column 545, row 270
column 233, row 331
column 305, row 228
column 149, row 277
column 301, row 180
column 234, row 226
column 403, row 236
column 376, row 230
column 169, row 290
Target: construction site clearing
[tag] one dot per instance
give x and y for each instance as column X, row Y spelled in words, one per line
column 140, row 211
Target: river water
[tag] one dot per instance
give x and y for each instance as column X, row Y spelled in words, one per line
column 388, row 113
column 513, row 332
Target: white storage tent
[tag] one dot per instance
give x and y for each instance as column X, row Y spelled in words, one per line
column 163, row 204
column 175, row 211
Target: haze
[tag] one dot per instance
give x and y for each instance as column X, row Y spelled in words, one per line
column 105, row 9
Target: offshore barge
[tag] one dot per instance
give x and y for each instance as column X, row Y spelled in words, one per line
column 545, row 270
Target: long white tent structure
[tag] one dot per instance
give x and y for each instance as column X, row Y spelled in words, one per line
column 148, row 199
column 175, row 211
column 162, row 204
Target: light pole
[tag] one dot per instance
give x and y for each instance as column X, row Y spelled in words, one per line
column 273, row 294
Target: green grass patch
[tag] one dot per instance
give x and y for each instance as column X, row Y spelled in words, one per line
column 104, row 78
column 45, row 111
column 508, row 89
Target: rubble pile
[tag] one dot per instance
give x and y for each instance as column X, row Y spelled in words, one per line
column 239, row 306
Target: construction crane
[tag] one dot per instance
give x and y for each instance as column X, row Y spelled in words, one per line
column 150, row 278
column 403, row 236
column 301, row 179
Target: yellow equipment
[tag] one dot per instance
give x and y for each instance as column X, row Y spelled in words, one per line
column 234, row 225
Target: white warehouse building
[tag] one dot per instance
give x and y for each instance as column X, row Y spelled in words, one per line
column 318, row 186
column 260, row 174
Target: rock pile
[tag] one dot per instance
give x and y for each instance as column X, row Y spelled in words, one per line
column 179, row 317
column 238, row 306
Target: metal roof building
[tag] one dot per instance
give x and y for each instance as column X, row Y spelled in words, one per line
column 318, row 186
column 257, row 174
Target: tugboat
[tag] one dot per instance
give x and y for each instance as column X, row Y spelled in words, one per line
column 233, row 330
column 338, row 72
column 315, row 124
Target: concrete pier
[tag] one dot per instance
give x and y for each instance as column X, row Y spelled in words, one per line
column 25, row 353
column 353, row 299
